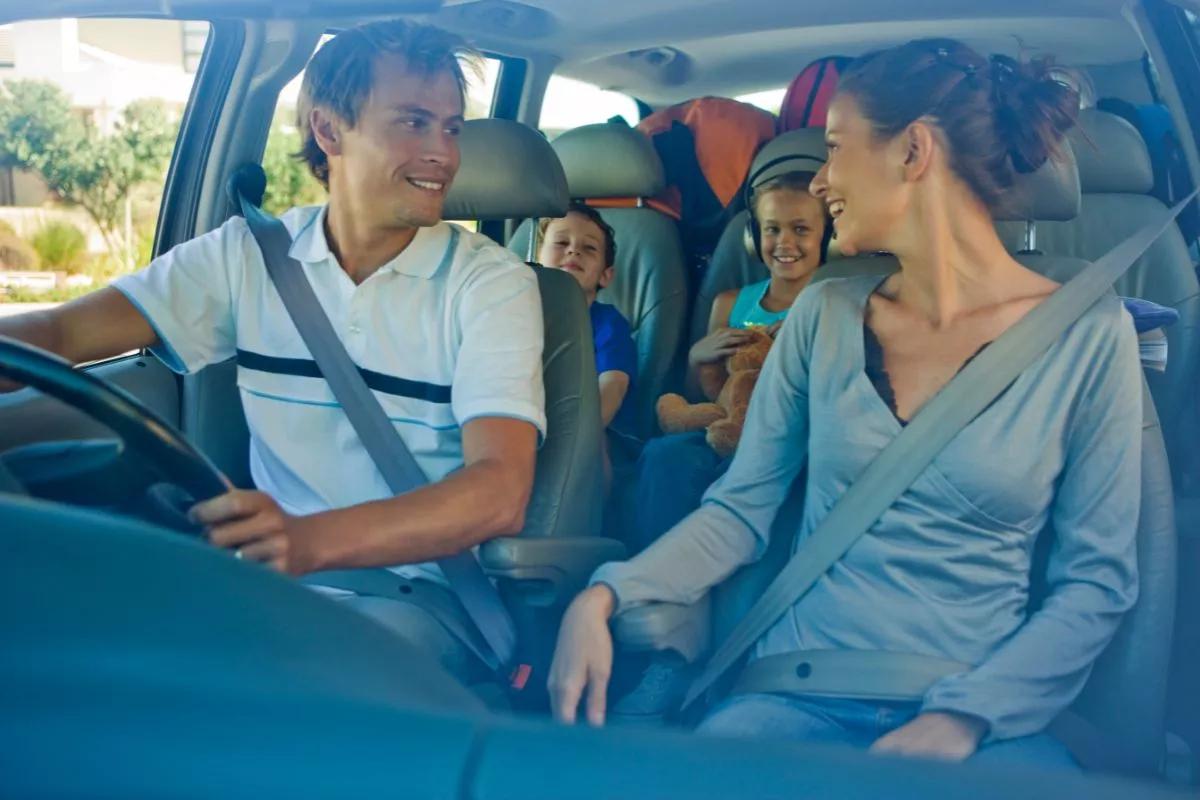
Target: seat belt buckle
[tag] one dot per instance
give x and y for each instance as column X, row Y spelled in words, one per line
column 519, row 677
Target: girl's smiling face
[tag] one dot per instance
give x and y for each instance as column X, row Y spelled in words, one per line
column 792, row 225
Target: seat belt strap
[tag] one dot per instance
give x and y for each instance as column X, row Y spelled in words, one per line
column 895, row 469
column 392, row 458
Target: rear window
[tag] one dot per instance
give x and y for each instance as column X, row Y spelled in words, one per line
column 770, row 100
column 570, row 103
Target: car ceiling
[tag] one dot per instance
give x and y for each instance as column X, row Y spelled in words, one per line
column 668, row 50
column 663, row 51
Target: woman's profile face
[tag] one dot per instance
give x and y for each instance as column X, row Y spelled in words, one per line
column 862, row 182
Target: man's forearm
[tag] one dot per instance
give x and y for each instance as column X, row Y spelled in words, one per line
column 477, row 503
column 99, row 325
column 37, row 328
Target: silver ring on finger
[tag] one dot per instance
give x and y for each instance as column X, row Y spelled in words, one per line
column 238, row 554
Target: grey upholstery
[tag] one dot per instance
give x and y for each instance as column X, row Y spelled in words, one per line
column 1049, row 193
column 508, row 171
column 609, row 159
column 567, row 497
column 1097, row 140
column 649, row 285
column 1113, row 158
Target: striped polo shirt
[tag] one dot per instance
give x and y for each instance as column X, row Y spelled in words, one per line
column 448, row 331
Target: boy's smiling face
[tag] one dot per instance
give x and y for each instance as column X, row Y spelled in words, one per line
column 576, row 244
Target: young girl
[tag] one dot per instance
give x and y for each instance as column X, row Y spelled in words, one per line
column 674, row 471
column 794, row 236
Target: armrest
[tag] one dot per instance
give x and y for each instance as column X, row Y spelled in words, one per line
column 656, row 627
column 550, row 570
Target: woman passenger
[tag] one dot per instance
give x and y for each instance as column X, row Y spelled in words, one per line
column 924, row 142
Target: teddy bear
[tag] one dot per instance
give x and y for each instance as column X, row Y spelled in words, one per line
column 724, row 418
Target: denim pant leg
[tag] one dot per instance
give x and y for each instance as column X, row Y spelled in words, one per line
column 1039, row 750
column 672, row 475
column 797, row 719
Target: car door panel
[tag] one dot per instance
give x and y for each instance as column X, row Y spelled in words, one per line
column 29, row 416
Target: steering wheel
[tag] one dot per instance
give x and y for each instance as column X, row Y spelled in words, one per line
column 160, row 451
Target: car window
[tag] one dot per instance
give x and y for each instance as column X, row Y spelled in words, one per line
column 769, row 100
column 289, row 182
column 89, row 117
column 569, row 103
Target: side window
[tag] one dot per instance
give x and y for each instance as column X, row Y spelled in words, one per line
column 289, row 182
column 570, row 103
column 89, row 117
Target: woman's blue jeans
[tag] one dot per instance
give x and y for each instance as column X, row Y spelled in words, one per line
column 858, row 724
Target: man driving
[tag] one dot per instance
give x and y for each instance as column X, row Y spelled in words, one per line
column 447, row 325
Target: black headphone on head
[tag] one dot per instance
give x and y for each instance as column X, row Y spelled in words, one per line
column 752, row 238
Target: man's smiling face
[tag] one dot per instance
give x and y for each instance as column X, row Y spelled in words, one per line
column 402, row 152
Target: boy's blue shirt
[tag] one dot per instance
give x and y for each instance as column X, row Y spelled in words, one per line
column 615, row 351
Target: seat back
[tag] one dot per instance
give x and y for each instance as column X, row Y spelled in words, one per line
column 649, row 285
column 507, row 170
column 1116, row 178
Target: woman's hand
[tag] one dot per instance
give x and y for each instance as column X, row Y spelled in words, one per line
column 719, row 344
column 935, row 734
column 583, row 656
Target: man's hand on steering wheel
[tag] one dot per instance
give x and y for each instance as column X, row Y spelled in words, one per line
column 254, row 526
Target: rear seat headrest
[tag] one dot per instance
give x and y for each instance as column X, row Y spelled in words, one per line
column 800, row 150
column 1112, row 155
column 508, row 171
column 1051, row 193
column 609, row 159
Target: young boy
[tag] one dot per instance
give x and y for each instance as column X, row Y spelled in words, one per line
column 582, row 244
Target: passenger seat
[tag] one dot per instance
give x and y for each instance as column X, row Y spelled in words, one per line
column 609, row 161
column 1116, row 177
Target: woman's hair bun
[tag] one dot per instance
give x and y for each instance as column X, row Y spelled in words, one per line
column 1033, row 110
column 1000, row 116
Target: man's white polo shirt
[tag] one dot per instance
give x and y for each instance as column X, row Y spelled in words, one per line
column 449, row 330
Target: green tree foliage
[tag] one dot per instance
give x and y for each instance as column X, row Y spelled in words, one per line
column 40, row 131
column 60, row 245
column 289, row 183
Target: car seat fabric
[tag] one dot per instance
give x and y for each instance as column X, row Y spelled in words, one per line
column 1116, row 177
column 649, row 285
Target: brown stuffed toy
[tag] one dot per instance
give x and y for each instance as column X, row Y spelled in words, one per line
column 725, row 417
